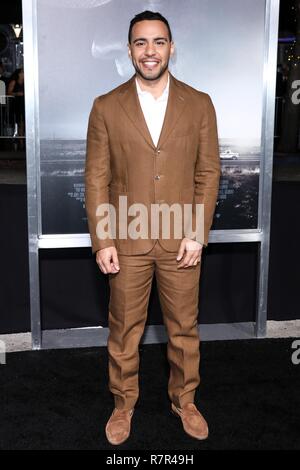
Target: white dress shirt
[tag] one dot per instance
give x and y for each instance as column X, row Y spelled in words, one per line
column 154, row 109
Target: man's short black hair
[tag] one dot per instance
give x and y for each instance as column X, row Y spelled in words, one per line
column 148, row 15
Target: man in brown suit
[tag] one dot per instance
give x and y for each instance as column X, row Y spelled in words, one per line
column 152, row 140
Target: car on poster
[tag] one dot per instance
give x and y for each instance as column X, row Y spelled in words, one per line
column 229, row 155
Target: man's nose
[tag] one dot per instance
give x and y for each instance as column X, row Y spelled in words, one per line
column 150, row 49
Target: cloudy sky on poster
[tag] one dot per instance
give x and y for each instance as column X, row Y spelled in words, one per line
column 82, row 50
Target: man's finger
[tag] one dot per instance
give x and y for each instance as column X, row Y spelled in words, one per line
column 115, row 260
column 107, row 264
column 101, row 266
column 192, row 261
column 180, row 251
column 185, row 262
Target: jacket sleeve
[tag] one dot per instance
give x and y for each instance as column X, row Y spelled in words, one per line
column 207, row 168
column 97, row 173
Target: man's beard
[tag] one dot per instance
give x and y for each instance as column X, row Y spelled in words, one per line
column 153, row 77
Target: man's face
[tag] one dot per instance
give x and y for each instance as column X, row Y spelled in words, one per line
column 150, row 48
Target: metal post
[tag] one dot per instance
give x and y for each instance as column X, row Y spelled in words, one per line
column 271, row 39
column 32, row 162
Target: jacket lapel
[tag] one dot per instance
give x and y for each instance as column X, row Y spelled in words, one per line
column 129, row 101
column 175, row 107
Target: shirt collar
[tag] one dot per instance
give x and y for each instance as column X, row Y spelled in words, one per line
column 163, row 96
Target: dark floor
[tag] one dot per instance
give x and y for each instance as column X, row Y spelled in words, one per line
column 59, row 399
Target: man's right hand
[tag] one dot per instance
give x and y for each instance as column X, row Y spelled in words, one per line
column 107, row 260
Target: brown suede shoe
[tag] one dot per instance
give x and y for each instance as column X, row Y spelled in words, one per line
column 118, row 426
column 193, row 422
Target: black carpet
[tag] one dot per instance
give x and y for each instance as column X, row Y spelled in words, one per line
column 59, row 399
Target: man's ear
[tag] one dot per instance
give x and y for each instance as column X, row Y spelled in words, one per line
column 172, row 50
column 129, row 50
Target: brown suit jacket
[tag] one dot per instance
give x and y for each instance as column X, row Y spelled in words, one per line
column 123, row 160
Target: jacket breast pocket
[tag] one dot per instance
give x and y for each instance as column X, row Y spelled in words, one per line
column 180, row 132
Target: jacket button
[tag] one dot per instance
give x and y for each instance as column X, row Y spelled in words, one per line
column 156, row 177
column 157, row 151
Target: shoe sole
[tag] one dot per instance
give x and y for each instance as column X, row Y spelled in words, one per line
column 117, row 443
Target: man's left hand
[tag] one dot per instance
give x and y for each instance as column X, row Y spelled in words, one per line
column 189, row 253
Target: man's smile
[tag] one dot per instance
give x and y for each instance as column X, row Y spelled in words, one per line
column 150, row 63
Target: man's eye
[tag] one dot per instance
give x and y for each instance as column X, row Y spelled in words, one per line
column 139, row 43
column 160, row 43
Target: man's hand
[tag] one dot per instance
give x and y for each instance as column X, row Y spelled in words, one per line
column 192, row 250
column 107, row 260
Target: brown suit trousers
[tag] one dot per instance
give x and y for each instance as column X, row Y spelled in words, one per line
column 178, row 291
